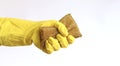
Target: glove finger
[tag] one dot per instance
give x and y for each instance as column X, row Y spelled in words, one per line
column 49, row 48
column 62, row 29
column 54, row 43
column 70, row 39
column 62, row 40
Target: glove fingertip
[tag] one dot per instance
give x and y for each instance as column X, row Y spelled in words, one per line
column 49, row 48
column 70, row 39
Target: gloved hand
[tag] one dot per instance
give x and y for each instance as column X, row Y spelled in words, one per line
column 18, row 32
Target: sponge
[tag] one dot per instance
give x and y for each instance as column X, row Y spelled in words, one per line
column 70, row 24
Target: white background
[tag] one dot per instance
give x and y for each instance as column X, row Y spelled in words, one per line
column 98, row 20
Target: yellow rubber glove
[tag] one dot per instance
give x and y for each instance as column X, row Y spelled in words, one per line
column 18, row 32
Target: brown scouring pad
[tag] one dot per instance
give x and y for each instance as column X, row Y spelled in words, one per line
column 68, row 21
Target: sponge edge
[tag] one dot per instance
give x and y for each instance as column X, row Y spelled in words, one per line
column 71, row 25
column 68, row 21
